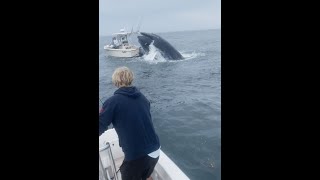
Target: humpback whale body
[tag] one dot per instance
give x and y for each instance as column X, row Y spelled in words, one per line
column 164, row 47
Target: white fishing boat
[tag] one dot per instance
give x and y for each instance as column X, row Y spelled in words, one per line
column 120, row 46
column 111, row 157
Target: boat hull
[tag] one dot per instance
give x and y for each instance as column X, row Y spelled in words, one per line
column 127, row 53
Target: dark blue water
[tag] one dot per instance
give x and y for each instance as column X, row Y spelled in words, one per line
column 185, row 98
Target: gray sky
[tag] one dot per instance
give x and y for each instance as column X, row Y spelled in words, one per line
column 158, row 15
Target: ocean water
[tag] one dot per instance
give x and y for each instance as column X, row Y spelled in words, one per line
column 185, row 98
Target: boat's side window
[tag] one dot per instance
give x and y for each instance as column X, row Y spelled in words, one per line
column 124, row 40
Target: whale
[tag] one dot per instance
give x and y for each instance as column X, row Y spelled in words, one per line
column 164, row 47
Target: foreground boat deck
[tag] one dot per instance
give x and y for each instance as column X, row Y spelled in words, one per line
column 165, row 169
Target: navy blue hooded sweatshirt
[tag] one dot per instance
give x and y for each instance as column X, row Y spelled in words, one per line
column 129, row 112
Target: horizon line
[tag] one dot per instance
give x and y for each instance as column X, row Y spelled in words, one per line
column 173, row 31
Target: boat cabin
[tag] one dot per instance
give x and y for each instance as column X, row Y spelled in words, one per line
column 121, row 38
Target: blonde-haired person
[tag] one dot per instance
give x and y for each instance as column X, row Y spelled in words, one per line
column 122, row 77
column 129, row 112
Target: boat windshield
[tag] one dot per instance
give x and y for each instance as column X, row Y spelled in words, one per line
column 123, row 38
column 114, row 41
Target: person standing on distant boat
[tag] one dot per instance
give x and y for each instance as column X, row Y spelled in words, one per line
column 114, row 42
column 129, row 112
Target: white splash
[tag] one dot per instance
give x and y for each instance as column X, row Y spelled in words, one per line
column 192, row 55
column 188, row 56
column 154, row 56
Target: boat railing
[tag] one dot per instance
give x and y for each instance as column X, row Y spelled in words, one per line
column 107, row 167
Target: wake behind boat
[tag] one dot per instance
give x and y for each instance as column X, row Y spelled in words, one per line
column 111, row 157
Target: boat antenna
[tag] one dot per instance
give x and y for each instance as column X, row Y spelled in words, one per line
column 139, row 25
column 129, row 34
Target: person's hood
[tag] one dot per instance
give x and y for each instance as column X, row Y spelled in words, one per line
column 131, row 91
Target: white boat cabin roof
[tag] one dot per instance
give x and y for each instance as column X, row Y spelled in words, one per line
column 121, row 33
